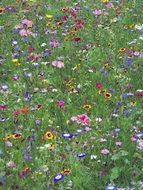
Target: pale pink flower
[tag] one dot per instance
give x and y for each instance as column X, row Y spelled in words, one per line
column 27, row 22
column 105, row 151
column 23, row 32
column 87, row 129
column 97, row 12
column 57, row 63
column 118, row 143
column 11, row 164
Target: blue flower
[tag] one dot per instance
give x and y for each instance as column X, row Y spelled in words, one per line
column 58, row 177
column 110, row 187
column 67, row 135
column 81, row 155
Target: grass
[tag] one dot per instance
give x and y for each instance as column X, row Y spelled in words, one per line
column 104, row 50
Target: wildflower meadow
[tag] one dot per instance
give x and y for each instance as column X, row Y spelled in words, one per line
column 71, row 94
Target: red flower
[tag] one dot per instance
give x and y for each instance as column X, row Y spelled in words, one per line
column 140, row 94
column 3, row 107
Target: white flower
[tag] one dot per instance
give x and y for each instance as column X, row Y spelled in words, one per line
column 93, row 157
column 98, row 119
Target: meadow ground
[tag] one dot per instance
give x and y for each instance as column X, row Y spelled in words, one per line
column 71, row 86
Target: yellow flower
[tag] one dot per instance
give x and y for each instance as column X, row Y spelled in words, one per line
column 8, row 137
column 66, row 171
column 87, row 107
column 107, row 95
column 51, row 146
column 133, row 103
column 17, row 136
column 49, row 16
column 48, row 135
column 45, row 81
column 16, row 61
column 102, row 92
column 105, row 1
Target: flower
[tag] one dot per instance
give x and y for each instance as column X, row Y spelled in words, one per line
column 81, row 119
column 87, row 107
column 97, row 12
column 66, row 171
column 11, row 164
column 111, row 187
column 58, row 177
column 122, row 50
column 48, row 135
column 60, row 103
column 67, row 135
column 105, row 151
column 98, row 85
column 81, row 155
column 49, row 16
column 107, row 95
column 58, row 64
column 17, row 136
column 27, row 22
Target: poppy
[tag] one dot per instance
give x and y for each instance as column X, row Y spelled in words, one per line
column 48, row 136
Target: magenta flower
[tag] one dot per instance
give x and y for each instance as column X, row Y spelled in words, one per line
column 98, row 85
column 60, row 103
column 81, row 119
column 58, row 64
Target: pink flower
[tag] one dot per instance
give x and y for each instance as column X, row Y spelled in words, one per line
column 118, row 143
column 105, row 151
column 60, row 103
column 58, row 64
column 97, row 12
column 23, row 32
column 27, row 22
column 81, row 119
column 87, row 129
column 98, row 85
column 54, row 43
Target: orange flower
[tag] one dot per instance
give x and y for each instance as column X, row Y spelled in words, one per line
column 24, row 110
